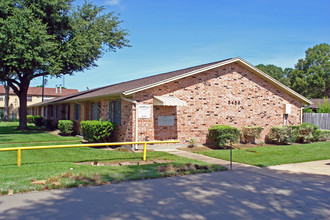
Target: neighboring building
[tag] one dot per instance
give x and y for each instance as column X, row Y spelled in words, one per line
column 34, row 96
column 315, row 105
column 184, row 104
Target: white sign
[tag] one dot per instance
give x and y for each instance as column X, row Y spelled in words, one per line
column 144, row 111
column 165, row 120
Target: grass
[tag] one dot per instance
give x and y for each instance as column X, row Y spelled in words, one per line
column 59, row 164
column 275, row 155
column 50, row 163
column 9, row 134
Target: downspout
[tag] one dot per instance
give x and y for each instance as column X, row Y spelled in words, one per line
column 136, row 117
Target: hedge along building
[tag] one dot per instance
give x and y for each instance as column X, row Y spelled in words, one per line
column 183, row 104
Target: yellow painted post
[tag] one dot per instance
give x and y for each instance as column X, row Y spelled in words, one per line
column 145, row 151
column 19, row 155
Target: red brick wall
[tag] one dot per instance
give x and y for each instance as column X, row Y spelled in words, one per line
column 253, row 102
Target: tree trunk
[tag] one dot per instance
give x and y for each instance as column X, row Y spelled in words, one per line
column 6, row 110
column 22, row 109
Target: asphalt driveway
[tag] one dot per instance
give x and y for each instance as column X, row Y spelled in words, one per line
column 240, row 194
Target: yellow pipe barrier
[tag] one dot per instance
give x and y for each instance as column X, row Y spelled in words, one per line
column 19, row 149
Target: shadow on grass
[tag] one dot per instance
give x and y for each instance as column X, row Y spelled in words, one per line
column 13, row 130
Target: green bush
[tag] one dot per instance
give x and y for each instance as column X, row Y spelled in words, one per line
column 50, row 124
column 325, row 107
column 65, row 127
column 282, row 135
column 221, row 134
column 307, row 110
column 307, row 133
column 97, row 131
column 250, row 134
column 321, row 135
column 29, row 118
column 38, row 120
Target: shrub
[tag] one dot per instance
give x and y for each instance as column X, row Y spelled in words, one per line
column 221, row 134
column 97, row 131
column 38, row 120
column 282, row 135
column 250, row 134
column 321, row 135
column 65, row 127
column 307, row 133
column 307, row 110
column 29, row 119
column 325, row 107
column 192, row 143
column 50, row 124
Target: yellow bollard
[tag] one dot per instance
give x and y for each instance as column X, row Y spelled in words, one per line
column 145, row 151
column 19, row 156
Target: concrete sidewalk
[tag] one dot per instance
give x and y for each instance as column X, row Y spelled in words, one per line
column 305, row 175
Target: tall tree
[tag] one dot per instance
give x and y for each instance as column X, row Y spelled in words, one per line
column 276, row 72
column 311, row 76
column 49, row 37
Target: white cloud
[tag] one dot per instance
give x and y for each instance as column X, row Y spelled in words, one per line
column 113, row 2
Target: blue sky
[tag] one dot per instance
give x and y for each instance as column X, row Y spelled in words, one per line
column 168, row 35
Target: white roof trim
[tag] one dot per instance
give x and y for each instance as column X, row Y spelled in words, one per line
column 168, row 101
column 237, row 59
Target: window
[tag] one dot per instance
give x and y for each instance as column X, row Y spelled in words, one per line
column 45, row 112
column 1, row 97
column 29, row 98
column 77, row 112
column 51, row 111
column 115, row 111
column 46, row 98
column 68, row 112
column 56, row 111
column 95, row 111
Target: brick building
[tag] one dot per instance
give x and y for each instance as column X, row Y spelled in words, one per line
column 183, row 104
column 34, row 95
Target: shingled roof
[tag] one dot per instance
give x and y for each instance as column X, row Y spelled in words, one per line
column 133, row 86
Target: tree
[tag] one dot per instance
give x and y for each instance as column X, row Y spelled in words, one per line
column 276, row 72
column 311, row 76
column 325, row 107
column 49, row 37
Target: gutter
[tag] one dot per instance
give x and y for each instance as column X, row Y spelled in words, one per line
column 136, row 117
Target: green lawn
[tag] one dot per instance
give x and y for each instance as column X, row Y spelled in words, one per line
column 275, row 155
column 51, row 164
column 9, row 134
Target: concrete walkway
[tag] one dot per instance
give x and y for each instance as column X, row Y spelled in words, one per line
column 321, row 167
column 302, row 174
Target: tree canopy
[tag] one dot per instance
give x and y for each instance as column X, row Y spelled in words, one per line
column 50, row 37
column 276, row 72
column 311, row 75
